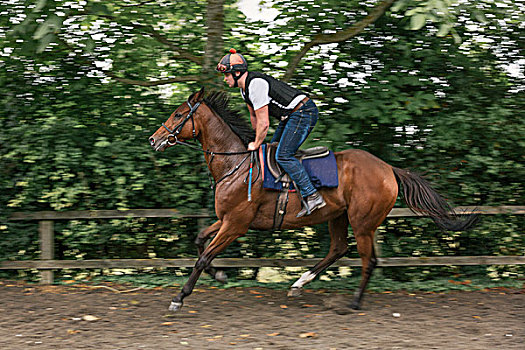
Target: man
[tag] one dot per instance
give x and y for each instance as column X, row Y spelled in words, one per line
column 297, row 114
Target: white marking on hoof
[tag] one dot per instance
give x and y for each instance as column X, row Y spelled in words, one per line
column 305, row 278
column 221, row 276
column 295, row 292
column 174, row 307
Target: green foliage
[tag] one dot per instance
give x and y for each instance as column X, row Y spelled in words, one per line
column 426, row 88
column 348, row 285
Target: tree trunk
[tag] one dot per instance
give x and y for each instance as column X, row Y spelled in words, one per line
column 214, row 42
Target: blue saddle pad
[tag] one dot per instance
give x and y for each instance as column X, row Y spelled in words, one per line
column 322, row 172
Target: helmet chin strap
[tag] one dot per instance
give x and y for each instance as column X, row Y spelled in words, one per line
column 236, row 79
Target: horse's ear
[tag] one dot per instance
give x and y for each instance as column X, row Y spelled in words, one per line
column 198, row 96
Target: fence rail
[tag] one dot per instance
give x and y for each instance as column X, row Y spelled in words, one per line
column 259, row 262
column 47, row 264
column 176, row 214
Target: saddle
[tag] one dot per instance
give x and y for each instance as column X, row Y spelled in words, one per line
column 276, row 172
column 275, row 169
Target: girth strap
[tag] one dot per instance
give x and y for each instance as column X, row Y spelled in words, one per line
column 280, row 206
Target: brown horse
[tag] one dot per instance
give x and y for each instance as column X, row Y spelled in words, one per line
column 367, row 191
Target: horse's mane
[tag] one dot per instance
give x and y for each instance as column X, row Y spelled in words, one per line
column 218, row 101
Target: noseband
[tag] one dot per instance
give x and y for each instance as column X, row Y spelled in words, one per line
column 173, row 133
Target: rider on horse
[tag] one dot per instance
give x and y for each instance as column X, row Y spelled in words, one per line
column 297, row 115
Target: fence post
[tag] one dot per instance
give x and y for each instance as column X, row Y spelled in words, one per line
column 47, row 248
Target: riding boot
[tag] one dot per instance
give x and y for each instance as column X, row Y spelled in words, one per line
column 311, row 203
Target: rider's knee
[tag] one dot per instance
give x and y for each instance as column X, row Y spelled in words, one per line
column 282, row 158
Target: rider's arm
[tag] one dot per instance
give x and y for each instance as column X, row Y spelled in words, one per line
column 252, row 117
column 262, row 124
column 259, row 96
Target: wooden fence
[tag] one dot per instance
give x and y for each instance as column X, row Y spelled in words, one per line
column 47, row 264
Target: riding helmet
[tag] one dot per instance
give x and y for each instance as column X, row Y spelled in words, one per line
column 232, row 62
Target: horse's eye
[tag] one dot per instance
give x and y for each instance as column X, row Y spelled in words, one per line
column 177, row 116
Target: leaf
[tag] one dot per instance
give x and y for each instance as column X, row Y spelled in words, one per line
column 308, row 335
column 455, row 35
column 413, row 11
column 42, row 30
column 102, row 143
column 90, row 318
column 444, row 29
column 480, row 16
column 398, row 5
column 40, row 5
column 418, row 21
column 283, row 306
column 99, row 8
column 89, row 45
column 441, row 6
column 51, row 25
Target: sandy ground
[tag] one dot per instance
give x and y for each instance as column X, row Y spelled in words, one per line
column 85, row 317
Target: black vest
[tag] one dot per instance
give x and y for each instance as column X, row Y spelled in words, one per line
column 281, row 95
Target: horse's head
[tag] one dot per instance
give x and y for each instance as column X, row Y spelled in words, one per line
column 180, row 125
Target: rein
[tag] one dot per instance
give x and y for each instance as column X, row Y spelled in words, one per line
column 173, row 136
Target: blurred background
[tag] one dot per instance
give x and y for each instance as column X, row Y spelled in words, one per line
column 436, row 86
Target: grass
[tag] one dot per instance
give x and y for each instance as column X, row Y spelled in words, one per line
column 377, row 284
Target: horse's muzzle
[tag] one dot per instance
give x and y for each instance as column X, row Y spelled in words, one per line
column 158, row 146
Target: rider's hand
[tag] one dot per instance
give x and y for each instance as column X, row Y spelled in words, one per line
column 252, row 146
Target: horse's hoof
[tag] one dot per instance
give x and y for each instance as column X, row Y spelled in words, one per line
column 294, row 292
column 355, row 306
column 344, row 310
column 221, row 276
column 175, row 306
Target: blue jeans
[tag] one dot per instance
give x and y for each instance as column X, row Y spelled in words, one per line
column 291, row 133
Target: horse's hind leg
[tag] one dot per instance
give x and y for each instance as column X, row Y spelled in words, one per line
column 338, row 229
column 365, row 247
column 203, row 236
column 364, row 224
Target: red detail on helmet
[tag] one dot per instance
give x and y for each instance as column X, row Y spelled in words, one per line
column 233, row 51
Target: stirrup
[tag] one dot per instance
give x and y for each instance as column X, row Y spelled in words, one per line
column 318, row 204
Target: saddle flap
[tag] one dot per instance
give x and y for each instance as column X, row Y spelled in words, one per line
column 276, row 170
column 274, row 167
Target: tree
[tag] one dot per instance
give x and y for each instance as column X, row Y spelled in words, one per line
column 421, row 84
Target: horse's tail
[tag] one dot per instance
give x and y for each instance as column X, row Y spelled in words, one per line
column 422, row 198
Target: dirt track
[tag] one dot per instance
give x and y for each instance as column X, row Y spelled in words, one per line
column 256, row 318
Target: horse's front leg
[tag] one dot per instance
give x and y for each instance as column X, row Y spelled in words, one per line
column 228, row 233
column 200, row 241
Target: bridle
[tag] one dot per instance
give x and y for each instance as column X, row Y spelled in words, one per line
column 173, row 140
column 173, row 133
